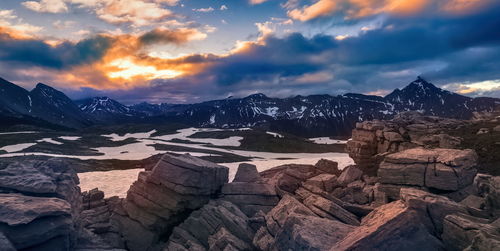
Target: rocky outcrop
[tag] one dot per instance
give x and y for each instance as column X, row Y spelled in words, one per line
column 371, row 140
column 287, row 178
column 390, row 227
column 249, row 191
column 164, row 197
column 446, row 170
column 219, row 225
column 98, row 232
column 40, row 205
column 464, row 232
column 293, row 226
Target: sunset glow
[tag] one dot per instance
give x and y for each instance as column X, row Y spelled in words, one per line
column 290, row 46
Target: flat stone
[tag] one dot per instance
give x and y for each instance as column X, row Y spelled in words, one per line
column 18, row 209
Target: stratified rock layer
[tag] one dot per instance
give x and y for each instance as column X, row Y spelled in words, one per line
column 442, row 169
column 371, row 140
column 249, row 192
column 165, row 196
column 40, row 205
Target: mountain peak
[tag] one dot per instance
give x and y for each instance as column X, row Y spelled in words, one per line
column 422, row 83
column 257, row 95
column 43, row 86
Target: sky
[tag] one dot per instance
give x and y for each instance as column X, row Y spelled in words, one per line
column 188, row 51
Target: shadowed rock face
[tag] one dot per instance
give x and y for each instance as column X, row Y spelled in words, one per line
column 165, row 196
column 40, row 205
column 249, row 191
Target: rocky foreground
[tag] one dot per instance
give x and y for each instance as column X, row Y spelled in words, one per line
column 410, row 190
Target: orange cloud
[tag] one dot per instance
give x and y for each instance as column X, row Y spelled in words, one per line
column 319, row 9
column 363, row 8
column 126, row 61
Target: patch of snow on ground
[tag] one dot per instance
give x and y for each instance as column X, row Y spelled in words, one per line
column 113, row 183
column 327, row 141
column 184, row 134
column 8, row 133
column 274, row 134
column 17, row 147
column 71, row 138
column 117, row 182
column 49, row 140
column 139, row 135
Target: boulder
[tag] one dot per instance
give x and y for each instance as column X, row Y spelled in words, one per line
column 293, row 226
column 443, row 169
column 390, row 227
column 435, row 207
column 464, row 232
column 349, row 174
column 330, row 210
column 250, row 193
column 287, row 178
column 36, row 222
column 322, row 183
column 40, row 204
column 328, row 166
column 303, row 232
column 203, row 228
column 371, row 140
column 162, row 198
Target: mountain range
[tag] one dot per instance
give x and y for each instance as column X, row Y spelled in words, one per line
column 314, row 115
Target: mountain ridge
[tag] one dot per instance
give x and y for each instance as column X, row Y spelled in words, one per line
column 313, row 115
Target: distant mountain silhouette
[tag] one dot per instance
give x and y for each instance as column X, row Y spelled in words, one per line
column 301, row 115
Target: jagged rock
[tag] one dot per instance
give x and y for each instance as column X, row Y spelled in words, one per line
column 224, row 240
column 322, row 183
column 93, row 198
column 247, row 173
column 433, row 206
column 490, row 188
column 303, row 232
column 390, row 227
column 287, row 178
column 293, row 226
column 349, row 174
column 328, row 166
column 496, row 128
column 162, row 198
column 329, row 209
column 275, row 220
column 36, row 222
column 40, row 204
column 463, row 232
column 443, row 169
column 371, row 140
column 200, row 230
column 249, row 192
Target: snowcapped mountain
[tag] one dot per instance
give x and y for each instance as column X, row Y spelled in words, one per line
column 43, row 103
column 314, row 115
column 324, row 114
column 106, row 110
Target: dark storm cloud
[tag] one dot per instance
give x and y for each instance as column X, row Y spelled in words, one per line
column 445, row 48
column 32, row 52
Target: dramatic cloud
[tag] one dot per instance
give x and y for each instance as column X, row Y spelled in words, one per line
column 363, row 8
column 50, row 6
column 386, row 44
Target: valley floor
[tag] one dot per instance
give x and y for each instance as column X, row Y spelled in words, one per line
column 111, row 161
